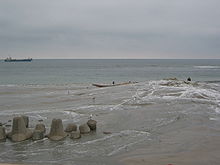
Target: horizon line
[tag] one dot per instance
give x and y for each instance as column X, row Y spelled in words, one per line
column 120, row 58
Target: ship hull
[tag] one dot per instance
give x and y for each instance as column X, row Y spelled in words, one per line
column 18, row 60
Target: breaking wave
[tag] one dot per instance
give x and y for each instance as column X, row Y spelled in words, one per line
column 166, row 91
column 207, row 67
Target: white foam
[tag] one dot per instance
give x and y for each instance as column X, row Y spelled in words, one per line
column 9, row 85
column 116, row 106
column 38, row 117
column 207, row 67
column 37, row 112
column 38, row 141
column 43, row 161
column 214, row 119
column 8, row 112
column 217, row 110
column 179, row 89
column 86, row 107
column 73, row 114
column 121, row 133
column 124, row 147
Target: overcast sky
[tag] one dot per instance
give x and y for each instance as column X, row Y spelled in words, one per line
column 110, row 28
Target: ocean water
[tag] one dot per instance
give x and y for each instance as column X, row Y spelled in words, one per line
column 136, row 115
column 88, row 71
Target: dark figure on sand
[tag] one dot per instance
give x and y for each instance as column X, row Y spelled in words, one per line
column 188, row 79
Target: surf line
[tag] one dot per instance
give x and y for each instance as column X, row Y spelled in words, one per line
column 136, row 95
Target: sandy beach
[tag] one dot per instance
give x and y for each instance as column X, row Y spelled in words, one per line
column 189, row 146
column 157, row 122
column 109, row 82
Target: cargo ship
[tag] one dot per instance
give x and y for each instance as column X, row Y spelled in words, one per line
column 9, row 59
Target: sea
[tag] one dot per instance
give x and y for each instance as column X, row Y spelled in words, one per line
column 44, row 72
column 158, row 102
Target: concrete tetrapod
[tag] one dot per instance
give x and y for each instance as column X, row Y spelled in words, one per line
column 2, row 134
column 39, row 131
column 38, row 135
column 75, row 135
column 71, row 127
column 26, row 120
column 84, row 128
column 56, row 130
column 92, row 124
column 40, row 127
column 19, row 131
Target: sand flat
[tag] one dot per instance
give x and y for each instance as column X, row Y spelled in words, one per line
column 186, row 148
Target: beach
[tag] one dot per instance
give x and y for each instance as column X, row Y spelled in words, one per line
column 109, row 82
column 156, row 122
column 179, row 147
column 164, row 121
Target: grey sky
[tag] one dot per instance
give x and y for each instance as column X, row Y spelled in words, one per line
column 110, row 28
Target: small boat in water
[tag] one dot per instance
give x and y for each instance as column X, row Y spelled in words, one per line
column 103, row 85
column 112, row 85
column 9, row 59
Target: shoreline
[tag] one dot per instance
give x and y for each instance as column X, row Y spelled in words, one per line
column 149, row 123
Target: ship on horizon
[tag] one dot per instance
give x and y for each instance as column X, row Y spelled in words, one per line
column 9, row 59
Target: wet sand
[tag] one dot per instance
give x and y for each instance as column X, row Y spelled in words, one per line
column 189, row 146
column 157, row 122
column 199, row 145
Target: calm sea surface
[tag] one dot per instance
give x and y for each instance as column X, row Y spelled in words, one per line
column 158, row 116
column 89, row 71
